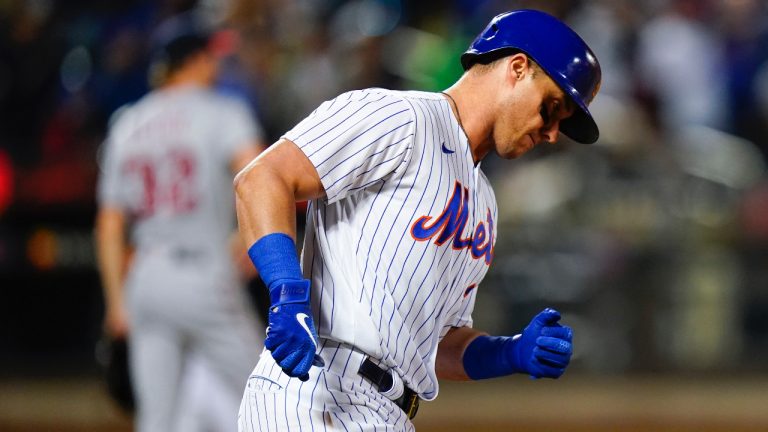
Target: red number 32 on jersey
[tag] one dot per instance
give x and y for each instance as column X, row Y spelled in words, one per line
column 167, row 182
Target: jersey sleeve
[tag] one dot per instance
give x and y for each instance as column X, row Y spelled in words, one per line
column 463, row 316
column 109, row 190
column 238, row 128
column 357, row 139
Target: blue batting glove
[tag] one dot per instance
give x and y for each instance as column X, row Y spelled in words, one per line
column 544, row 348
column 291, row 335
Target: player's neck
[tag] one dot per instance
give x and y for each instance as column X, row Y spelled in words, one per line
column 186, row 80
column 192, row 75
column 473, row 108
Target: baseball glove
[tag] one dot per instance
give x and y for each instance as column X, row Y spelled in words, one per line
column 112, row 356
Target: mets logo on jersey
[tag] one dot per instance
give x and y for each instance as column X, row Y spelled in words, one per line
column 449, row 226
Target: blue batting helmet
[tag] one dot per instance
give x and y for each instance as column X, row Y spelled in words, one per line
column 563, row 55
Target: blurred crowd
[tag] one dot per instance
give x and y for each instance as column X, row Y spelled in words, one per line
column 653, row 241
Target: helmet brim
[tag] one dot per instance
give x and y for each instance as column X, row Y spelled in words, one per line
column 580, row 127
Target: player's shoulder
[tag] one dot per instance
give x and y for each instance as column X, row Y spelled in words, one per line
column 376, row 99
column 129, row 116
column 123, row 119
column 387, row 95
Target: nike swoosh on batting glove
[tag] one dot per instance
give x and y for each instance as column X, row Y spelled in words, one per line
column 291, row 335
column 544, row 348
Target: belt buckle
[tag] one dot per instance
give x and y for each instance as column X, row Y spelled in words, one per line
column 411, row 405
column 408, row 401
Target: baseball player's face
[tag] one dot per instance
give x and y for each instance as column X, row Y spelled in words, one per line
column 531, row 115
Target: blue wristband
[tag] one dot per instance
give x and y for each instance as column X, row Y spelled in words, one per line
column 485, row 357
column 274, row 256
column 290, row 292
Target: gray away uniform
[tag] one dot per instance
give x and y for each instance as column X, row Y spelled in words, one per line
column 167, row 166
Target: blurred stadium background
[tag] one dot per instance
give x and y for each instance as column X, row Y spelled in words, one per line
column 653, row 242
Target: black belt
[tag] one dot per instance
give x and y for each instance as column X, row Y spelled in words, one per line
column 382, row 379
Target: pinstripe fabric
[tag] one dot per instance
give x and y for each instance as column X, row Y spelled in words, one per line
column 334, row 399
column 384, row 159
column 394, row 251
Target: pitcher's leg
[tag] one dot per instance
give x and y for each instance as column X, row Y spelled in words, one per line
column 156, row 363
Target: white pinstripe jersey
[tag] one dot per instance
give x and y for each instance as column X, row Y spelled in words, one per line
column 406, row 231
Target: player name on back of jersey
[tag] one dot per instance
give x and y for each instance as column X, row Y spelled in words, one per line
column 157, row 127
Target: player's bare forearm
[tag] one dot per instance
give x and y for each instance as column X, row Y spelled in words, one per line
column 267, row 189
column 111, row 258
column 110, row 247
column 238, row 247
column 450, row 353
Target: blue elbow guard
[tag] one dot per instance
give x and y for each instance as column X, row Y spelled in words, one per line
column 274, row 256
column 486, row 357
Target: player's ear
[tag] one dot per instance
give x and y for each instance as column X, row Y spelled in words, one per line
column 517, row 67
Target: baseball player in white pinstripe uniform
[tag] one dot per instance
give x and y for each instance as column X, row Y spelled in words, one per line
column 400, row 232
column 165, row 189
